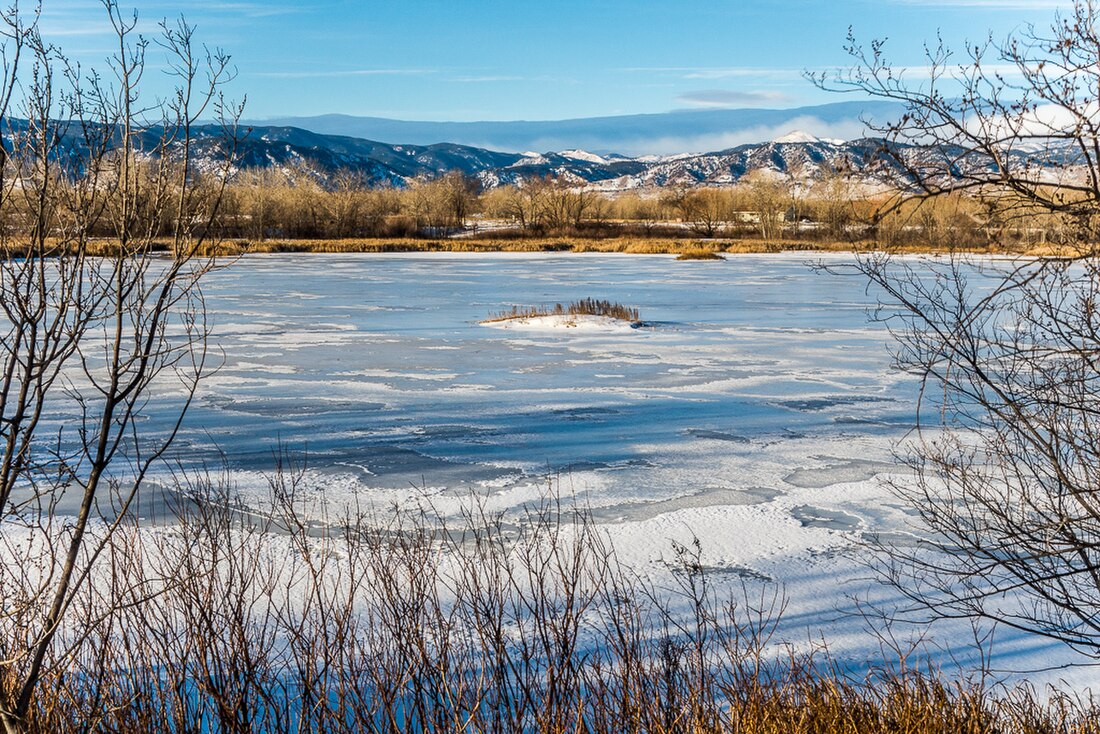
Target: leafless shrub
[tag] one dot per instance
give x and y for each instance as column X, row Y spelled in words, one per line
column 86, row 338
column 1005, row 461
column 278, row 614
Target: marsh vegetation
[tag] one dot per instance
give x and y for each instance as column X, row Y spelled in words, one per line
column 274, row 619
column 582, row 307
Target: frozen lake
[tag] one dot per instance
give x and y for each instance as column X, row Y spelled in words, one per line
column 756, row 410
column 377, row 366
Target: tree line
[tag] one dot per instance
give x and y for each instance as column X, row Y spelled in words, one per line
column 258, row 204
column 297, row 203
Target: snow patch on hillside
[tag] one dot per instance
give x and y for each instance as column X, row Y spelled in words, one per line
column 797, row 136
column 531, row 159
column 584, row 155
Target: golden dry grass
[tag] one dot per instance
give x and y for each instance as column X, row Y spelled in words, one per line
column 686, row 248
column 626, row 245
column 700, row 255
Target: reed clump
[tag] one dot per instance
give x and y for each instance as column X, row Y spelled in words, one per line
column 699, row 255
column 583, row 307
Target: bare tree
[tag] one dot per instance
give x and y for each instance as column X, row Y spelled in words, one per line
column 706, row 210
column 441, row 205
column 516, row 204
column 1011, row 123
column 565, row 205
column 647, row 211
column 769, row 198
column 412, row 621
column 92, row 328
column 1006, row 463
column 833, row 198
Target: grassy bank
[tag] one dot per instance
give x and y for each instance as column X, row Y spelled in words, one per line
column 627, row 245
column 686, row 248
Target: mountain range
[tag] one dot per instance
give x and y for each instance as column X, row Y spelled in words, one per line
column 631, row 135
column 797, row 156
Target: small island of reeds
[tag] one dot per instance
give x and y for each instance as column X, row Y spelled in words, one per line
column 699, row 255
column 587, row 307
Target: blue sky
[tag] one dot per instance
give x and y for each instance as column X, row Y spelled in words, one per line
column 518, row 59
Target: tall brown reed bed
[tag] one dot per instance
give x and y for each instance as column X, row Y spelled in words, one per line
column 582, row 307
column 278, row 620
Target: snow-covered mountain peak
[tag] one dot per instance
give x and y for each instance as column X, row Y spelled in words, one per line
column 584, row 155
column 530, row 158
column 797, row 136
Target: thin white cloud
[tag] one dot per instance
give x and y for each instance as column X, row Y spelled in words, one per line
column 89, row 18
column 220, row 10
column 333, row 73
column 671, row 145
column 739, row 73
column 708, row 72
column 726, row 98
column 486, row 79
column 499, row 78
column 992, row 4
column 83, row 19
column 253, row 10
column 89, row 25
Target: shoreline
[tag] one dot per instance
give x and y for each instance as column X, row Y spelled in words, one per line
column 621, row 245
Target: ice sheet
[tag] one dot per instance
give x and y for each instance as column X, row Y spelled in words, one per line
column 756, row 410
